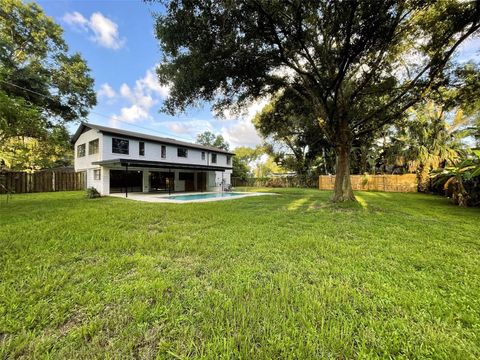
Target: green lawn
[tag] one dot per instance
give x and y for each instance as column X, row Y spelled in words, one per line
column 286, row 276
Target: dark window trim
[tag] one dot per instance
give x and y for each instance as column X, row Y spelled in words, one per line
column 141, row 149
column 163, row 154
column 90, row 146
column 84, row 146
column 128, row 148
column 214, row 156
column 182, row 148
column 203, row 155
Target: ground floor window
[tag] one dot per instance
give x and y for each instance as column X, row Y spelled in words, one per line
column 189, row 179
column 161, row 181
column 121, row 180
column 96, row 174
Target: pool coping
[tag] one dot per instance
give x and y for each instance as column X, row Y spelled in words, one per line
column 165, row 198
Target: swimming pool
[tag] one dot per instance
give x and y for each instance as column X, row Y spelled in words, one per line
column 204, row 196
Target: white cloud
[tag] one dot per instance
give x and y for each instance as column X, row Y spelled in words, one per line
column 190, row 128
column 241, row 133
column 125, row 91
column 75, row 19
column 104, row 31
column 131, row 114
column 143, row 96
column 150, row 82
column 106, row 91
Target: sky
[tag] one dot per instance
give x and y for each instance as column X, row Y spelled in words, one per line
column 117, row 40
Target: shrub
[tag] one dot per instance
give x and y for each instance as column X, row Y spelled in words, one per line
column 92, row 193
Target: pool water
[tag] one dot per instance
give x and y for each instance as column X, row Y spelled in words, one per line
column 203, row 196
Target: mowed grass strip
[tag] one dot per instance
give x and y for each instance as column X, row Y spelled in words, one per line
column 285, row 276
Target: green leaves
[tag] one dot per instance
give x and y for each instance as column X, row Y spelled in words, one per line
column 36, row 66
column 42, row 86
column 462, row 180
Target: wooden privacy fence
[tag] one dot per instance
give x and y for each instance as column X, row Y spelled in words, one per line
column 389, row 183
column 45, row 181
column 282, row 182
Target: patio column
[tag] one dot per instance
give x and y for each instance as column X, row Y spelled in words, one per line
column 126, row 180
column 146, row 185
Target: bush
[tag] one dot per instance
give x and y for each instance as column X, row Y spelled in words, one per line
column 92, row 193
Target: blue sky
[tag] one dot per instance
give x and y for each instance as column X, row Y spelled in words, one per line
column 117, row 40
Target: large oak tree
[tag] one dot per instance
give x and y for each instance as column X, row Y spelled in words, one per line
column 360, row 63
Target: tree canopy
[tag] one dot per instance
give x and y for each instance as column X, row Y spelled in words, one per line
column 360, row 64
column 42, row 86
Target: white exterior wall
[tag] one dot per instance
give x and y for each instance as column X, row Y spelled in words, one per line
column 84, row 163
column 152, row 153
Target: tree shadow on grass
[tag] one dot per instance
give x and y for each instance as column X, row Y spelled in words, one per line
column 312, row 203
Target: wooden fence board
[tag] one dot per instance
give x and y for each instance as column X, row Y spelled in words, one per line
column 22, row 182
column 387, row 183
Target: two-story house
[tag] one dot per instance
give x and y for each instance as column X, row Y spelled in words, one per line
column 123, row 161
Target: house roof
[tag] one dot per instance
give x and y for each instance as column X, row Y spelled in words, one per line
column 135, row 135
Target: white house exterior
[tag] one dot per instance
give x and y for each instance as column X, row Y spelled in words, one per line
column 123, row 161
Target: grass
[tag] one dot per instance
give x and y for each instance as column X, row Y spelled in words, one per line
column 286, row 276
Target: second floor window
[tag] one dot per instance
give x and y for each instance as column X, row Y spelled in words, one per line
column 229, row 159
column 182, row 152
column 214, row 158
column 203, row 155
column 93, row 147
column 164, row 152
column 81, row 150
column 141, row 148
column 119, row 146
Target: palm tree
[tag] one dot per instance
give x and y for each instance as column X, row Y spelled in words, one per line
column 462, row 180
column 427, row 141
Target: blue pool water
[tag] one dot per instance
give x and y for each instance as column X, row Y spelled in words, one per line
column 203, row 196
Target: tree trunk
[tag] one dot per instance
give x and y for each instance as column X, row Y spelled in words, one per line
column 343, row 187
column 422, row 178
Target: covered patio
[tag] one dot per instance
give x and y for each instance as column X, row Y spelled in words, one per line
column 124, row 176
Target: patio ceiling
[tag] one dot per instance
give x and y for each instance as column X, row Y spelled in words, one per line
column 158, row 165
